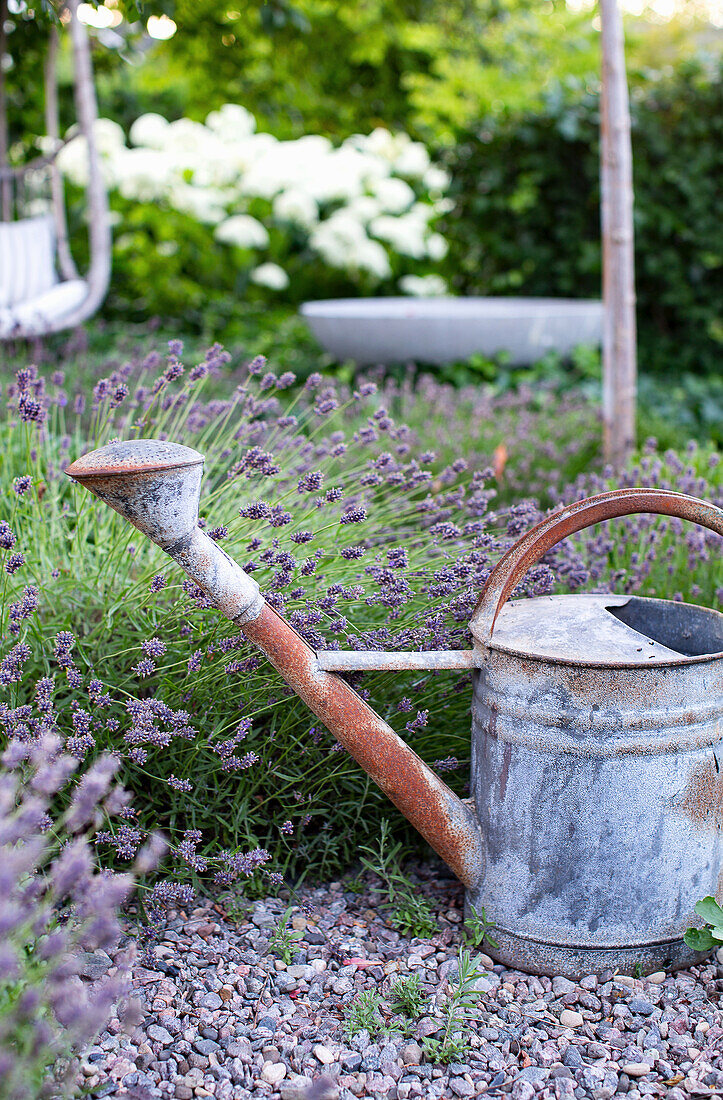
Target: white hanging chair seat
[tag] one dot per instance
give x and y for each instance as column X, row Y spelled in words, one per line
column 37, row 315
column 32, row 299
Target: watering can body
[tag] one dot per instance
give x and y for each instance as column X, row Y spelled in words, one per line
column 595, row 752
column 598, row 799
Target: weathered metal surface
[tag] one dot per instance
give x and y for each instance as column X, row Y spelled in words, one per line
column 528, row 550
column 596, row 791
column 340, row 660
column 156, row 487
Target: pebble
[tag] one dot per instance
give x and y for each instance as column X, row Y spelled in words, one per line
column 224, row 1021
column 273, row 1072
column 636, row 1069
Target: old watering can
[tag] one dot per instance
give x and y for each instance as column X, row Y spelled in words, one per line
column 595, row 822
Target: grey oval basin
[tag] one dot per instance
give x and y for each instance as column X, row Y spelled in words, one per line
column 442, row 330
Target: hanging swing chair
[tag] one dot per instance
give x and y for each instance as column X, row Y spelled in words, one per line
column 40, row 289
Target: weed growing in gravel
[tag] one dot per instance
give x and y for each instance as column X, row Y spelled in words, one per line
column 711, row 934
column 406, row 996
column 362, row 1014
column 477, row 929
column 283, row 940
column 409, row 912
column 461, row 1003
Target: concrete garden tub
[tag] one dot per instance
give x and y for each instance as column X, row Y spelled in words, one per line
column 442, row 330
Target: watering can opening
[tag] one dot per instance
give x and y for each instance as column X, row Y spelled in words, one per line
column 687, row 629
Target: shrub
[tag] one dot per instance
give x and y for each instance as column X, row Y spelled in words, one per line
column 526, row 219
column 354, row 530
column 207, row 211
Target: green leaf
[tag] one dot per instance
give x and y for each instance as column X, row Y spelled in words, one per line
column 699, row 939
column 711, row 912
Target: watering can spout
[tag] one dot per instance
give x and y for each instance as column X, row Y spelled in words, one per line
column 156, row 487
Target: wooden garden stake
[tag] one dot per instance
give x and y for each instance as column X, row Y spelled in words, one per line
column 616, row 180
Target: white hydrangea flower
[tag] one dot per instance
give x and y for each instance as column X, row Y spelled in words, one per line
column 404, row 233
column 108, row 135
column 341, row 240
column 140, row 174
column 270, row 275
column 437, row 246
column 231, row 121
column 72, row 162
column 150, row 130
column 296, row 206
column 395, row 195
column 243, row 231
column 413, row 161
column 365, row 208
column 435, row 179
column 424, row 286
column 202, row 203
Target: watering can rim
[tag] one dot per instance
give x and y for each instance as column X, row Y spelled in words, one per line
column 121, row 458
column 662, row 661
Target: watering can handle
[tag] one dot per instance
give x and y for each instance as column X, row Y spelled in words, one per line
column 528, row 550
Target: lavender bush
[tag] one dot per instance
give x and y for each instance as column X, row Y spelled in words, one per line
column 354, row 528
column 55, row 906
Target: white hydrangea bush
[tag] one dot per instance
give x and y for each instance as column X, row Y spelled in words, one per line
column 366, row 208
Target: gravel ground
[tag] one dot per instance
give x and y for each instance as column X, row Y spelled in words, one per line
column 222, row 1016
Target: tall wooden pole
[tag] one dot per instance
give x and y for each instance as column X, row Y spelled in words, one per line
column 616, row 178
column 6, row 194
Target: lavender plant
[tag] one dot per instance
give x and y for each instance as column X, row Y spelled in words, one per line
column 355, row 529
column 55, row 908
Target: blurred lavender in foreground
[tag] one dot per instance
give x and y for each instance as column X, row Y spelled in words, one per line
column 55, row 909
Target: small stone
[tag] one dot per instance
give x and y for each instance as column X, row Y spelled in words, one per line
column 273, row 1072
column 206, row 1046
column 641, row 1006
column 225, row 993
column 461, row 1087
column 522, row 1090
column 411, row 1054
column 536, row 1075
column 299, row 922
column 211, row 1000
column 323, row 1055
column 296, row 1089
column 351, row 1061
column 160, row 1035
column 572, row 1057
column 636, row 1069
column 428, row 1026
column 568, row 1018
column 485, row 960
column 183, row 1092
column 267, row 1022
column 561, row 986
column 92, row 964
column 657, row 978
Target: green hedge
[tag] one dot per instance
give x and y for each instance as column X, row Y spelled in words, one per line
column 526, row 219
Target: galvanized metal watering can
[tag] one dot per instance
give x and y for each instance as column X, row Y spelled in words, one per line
column 595, row 822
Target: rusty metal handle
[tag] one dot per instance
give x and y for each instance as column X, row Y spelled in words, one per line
column 510, row 570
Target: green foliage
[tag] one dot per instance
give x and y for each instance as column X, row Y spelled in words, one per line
column 527, row 216
column 284, row 939
column 711, row 935
column 362, row 1014
column 459, row 1009
column 477, row 929
column 409, row 912
column 406, row 996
